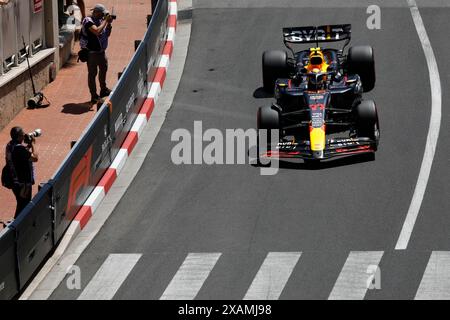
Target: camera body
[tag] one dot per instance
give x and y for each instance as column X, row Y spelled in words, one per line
column 29, row 136
column 111, row 14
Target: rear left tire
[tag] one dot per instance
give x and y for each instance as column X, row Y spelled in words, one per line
column 361, row 61
column 274, row 66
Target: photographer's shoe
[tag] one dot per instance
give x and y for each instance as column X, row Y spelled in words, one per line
column 105, row 92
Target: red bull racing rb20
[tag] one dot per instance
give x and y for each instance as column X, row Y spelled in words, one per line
column 319, row 111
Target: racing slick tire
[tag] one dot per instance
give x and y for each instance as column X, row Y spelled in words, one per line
column 274, row 66
column 361, row 61
column 367, row 121
column 268, row 118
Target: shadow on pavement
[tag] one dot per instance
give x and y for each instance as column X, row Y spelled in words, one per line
column 77, row 108
column 328, row 164
column 260, row 93
column 332, row 163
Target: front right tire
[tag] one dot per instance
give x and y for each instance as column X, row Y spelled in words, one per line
column 367, row 120
column 268, row 118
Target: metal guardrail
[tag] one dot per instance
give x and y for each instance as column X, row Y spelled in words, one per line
column 18, row 19
column 27, row 242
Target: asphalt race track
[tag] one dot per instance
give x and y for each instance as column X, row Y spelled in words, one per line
column 227, row 232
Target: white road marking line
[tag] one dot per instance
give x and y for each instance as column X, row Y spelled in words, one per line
column 435, row 284
column 433, row 130
column 110, row 277
column 352, row 282
column 189, row 279
column 272, row 276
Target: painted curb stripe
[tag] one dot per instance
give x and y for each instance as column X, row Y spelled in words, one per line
column 160, row 76
column 168, row 48
column 108, row 179
column 155, row 89
column 130, row 142
column 172, row 22
column 164, row 63
column 83, row 216
column 147, row 107
column 120, row 160
column 171, row 34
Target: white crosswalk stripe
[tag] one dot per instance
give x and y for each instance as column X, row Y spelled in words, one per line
column 356, row 275
column 110, row 277
column 189, row 279
column 272, row 276
column 435, row 284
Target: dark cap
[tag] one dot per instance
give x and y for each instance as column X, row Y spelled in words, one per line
column 99, row 7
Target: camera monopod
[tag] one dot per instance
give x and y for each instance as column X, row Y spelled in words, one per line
column 38, row 97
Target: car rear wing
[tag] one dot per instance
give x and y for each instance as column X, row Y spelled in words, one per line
column 312, row 34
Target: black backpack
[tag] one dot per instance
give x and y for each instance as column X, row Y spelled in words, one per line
column 8, row 173
column 83, row 55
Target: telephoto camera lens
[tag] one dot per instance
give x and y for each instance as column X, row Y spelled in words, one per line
column 36, row 100
column 29, row 136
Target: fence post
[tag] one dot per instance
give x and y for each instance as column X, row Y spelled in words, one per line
column 154, row 4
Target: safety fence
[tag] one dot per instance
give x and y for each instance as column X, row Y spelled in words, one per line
column 20, row 20
column 27, row 242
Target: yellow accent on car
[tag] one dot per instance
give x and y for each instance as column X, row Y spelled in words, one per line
column 317, row 139
column 318, row 54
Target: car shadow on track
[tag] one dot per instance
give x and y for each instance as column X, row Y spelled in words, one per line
column 328, row 164
column 260, row 93
column 333, row 163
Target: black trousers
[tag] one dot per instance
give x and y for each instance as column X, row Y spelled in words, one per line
column 97, row 64
column 23, row 197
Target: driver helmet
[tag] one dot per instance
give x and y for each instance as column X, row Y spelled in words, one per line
column 317, row 60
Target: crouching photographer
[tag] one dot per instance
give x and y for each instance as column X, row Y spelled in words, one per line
column 18, row 174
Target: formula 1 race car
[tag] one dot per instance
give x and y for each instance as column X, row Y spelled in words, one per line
column 319, row 111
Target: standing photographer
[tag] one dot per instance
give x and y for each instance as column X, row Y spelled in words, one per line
column 20, row 158
column 94, row 37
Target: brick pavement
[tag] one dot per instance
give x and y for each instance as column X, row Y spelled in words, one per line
column 68, row 115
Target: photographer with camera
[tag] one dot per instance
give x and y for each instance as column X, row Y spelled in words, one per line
column 19, row 162
column 96, row 29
